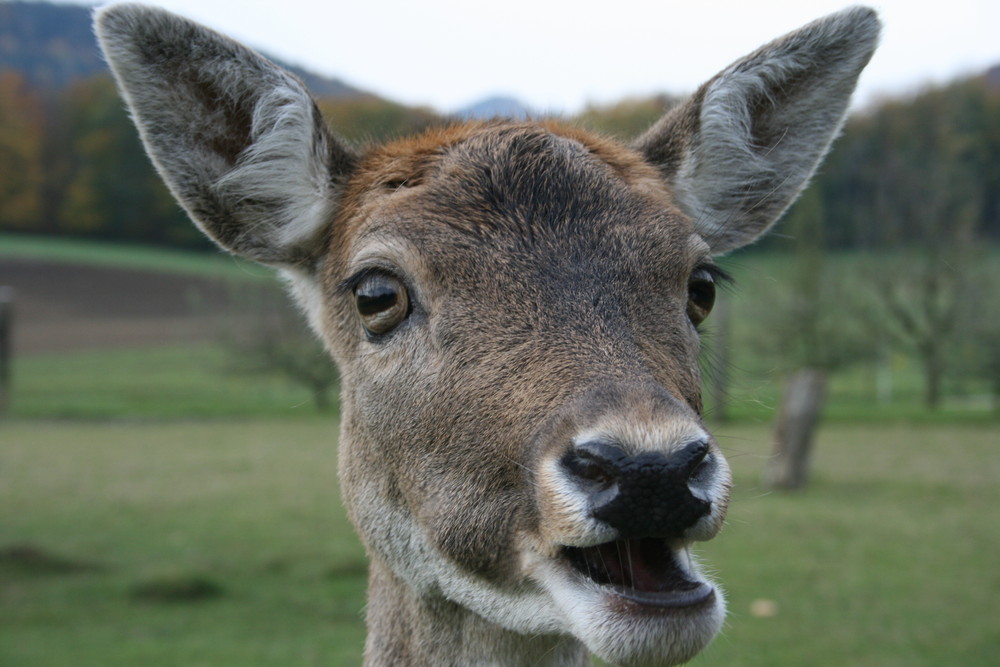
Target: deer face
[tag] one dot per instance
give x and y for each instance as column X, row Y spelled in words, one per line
column 514, row 310
column 538, row 290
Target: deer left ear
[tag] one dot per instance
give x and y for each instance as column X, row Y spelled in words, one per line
column 740, row 151
column 238, row 140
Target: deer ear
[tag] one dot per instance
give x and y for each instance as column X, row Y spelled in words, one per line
column 739, row 152
column 237, row 139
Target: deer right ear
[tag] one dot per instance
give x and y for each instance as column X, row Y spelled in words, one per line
column 739, row 152
column 238, row 140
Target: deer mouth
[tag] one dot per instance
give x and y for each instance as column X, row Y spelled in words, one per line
column 647, row 572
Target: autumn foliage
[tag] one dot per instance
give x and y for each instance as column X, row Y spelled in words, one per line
column 71, row 163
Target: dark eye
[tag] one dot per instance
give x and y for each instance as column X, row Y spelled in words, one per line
column 701, row 295
column 382, row 303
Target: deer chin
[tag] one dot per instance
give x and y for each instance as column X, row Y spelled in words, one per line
column 634, row 602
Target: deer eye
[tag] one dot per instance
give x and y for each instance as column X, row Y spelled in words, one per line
column 701, row 295
column 382, row 302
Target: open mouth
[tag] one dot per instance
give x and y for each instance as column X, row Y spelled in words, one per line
column 644, row 571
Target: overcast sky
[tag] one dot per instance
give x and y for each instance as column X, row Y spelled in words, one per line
column 559, row 55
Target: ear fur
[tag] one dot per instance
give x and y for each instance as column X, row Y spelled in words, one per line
column 238, row 140
column 740, row 151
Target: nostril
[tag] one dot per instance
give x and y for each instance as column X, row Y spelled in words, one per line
column 690, row 460
column 594, row 462
column 589, row 469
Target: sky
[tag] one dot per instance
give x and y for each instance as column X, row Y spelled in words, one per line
column 557, row 56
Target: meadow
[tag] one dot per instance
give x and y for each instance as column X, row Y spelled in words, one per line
column 222, row 542
column 157, row 508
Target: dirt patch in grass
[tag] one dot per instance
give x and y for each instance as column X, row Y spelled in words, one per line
column 67, row 307
column 176, row 587
column 31, row 560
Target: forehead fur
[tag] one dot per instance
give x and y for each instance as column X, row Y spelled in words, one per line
column 501, row 174
column 410, row 157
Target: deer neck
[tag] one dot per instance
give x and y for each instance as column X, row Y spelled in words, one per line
column 405, row 628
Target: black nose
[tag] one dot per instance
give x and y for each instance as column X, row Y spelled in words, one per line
column 646, row 495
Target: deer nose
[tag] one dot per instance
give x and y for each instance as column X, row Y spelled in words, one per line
column 643, row 495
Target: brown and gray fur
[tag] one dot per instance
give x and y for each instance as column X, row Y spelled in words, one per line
column 551, row 276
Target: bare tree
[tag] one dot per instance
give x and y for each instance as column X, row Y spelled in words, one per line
column 979, row 349
column 922, row 211
column 267, row 335
column 810, row 332
column 922, row 274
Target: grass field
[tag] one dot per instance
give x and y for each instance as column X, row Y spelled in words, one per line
column 223, row 543
column 200, row 380
column 158, row 508
column 176, row 544
column 169, row 382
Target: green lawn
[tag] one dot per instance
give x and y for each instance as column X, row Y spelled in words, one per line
column 125, row 517
column 182, row 381
column 889, row 557
column 202, row 381
column 158, row 508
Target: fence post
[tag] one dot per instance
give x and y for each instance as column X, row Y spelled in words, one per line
column 6, row 333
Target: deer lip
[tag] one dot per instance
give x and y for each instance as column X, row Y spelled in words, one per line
column 642, row 571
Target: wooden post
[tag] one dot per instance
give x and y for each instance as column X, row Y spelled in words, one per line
column 796, row 427
column 6, row 333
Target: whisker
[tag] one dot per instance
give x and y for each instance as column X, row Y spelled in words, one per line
column 631, row 567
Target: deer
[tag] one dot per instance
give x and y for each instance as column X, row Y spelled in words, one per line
column 515, row 308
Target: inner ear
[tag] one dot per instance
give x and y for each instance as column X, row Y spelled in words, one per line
column 235, row 130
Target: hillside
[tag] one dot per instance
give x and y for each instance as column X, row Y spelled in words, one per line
column 52, row 46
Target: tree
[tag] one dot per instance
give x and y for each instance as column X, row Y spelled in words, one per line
column 626, row 119
column 265, row 334
column 110, row 189
column 21, row 125
column 367, row 118
column 979, row 349
column 955, row 128
column 811, row 331
column 926, row 214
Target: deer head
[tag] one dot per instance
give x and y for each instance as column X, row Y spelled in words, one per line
column 514, row 308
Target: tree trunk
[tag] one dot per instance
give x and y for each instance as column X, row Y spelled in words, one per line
column 933, row 374
column 796, row 427
column 883, row 374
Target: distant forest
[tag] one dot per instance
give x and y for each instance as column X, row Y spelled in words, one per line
column 907, row 170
